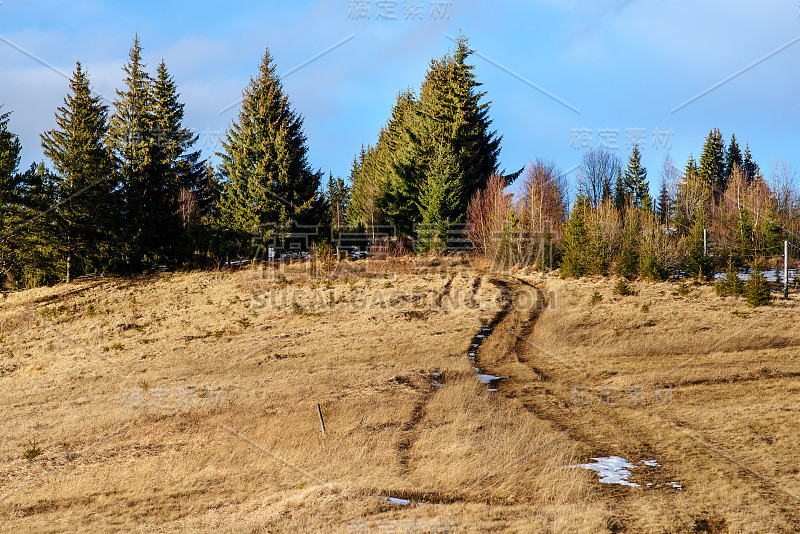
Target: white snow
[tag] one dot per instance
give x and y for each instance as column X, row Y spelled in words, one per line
column 480, row 336
column 611, row 470
column 487, row 379
column 437, row 384
column 651, row 463
column 675, row 485
column 395, row 500
column 437, row 375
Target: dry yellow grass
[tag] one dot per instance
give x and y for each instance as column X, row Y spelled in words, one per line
column 188, row 403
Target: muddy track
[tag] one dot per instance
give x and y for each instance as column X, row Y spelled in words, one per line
column 600, row 430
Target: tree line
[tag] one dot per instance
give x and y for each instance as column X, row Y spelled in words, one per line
column 126, row 190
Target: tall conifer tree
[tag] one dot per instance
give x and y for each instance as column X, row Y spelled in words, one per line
column 83, row 222
column 265, row 160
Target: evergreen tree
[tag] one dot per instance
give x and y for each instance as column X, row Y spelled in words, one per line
column 10, row 200
column 692, row 171
column 698, row 263
column 147, row 213
column 627, row 261
column 575, row 260
column 83, row 222
column 440, row 198
column 749, row 166
column 636, row 180
column 712, row 164
column 183, row 172
column 338, row 198
column 448, row 117
column 619, row 192
column 664, row 203
column 265, row 160
column 732, row 158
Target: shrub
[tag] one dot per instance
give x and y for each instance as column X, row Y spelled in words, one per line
column 595, row 298
column 622, row 288
column 730, row 285
column 683, row 289
column 32, row 451
column 756, row 290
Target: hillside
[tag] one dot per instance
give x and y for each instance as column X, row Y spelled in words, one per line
column 187, row 402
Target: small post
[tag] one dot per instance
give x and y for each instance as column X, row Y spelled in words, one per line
column 786, row 269
column 705, row 242
column 321, row 420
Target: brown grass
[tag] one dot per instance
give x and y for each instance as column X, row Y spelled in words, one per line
column 187, row 402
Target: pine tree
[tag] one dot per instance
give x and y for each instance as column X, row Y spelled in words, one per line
column 698, row 263
column 147, row 214
column 664, row 203
column 692, row 171
column 183, row 172
column 619, row 192
column 440, row 198
column 10, row 203
column 449, row 116
column 712, row 164
column 575, row 260
column 338, row 198
column 636, row 180
column 749, row 166
column 265, row 160
column 732, row 158
column 83, row 222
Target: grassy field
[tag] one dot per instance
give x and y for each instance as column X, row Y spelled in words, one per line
column 188, row 402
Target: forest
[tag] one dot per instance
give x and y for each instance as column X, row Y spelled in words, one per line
column 124, row 189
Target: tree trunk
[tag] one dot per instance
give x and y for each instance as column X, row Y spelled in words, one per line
column 69, row 268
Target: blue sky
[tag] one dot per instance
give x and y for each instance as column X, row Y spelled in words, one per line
column 561, row 75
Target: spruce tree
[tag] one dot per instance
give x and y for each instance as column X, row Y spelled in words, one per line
column 83, row 221
column 749, row 166
column 733, row 158
column 11, row 216
column 147, row 211
column 636, row 180
column 664, row 203
column 268, row 178
column 620, row 198
column 440, row 198
column 448, row 116
column 575, row 261
column 338, row 197
column 712, row 164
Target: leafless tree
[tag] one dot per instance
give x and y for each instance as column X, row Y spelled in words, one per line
column 596, row 172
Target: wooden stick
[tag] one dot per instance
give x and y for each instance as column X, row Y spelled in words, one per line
column 321, row 420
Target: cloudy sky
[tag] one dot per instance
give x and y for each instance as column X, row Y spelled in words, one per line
column 562, row 75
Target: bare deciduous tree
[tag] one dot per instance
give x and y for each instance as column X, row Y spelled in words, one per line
column 596, row 172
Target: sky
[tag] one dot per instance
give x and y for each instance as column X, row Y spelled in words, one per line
column 562, row 76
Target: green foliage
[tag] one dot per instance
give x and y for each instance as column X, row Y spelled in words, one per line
column 622, row 288
column 81, row 232
column 733, row 158
column 635, row 181
column 698, row 263
column 595, row 298
column 729, row 285
column 627, row 261
column 756, row 289
column 749, row 166
column 575, row 259
column 268, row 179
column 32, row 451
column 712, row 163
column 435, row 152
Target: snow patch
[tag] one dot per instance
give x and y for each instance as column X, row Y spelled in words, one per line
column 488, row 379
column 611, row 470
